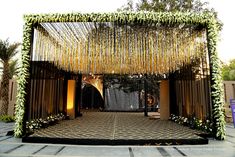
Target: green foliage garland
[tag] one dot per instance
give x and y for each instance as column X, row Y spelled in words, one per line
column 217, row 93
column 206, row 20
column 22, row 80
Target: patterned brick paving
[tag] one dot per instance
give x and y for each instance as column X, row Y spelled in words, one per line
column 117, row 125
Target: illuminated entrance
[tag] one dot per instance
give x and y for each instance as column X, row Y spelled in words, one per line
column 175, row 53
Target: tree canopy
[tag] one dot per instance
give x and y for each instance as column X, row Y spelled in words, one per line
column 7, row 52
column 166, row 5
column 228, row 71
column 13, row 67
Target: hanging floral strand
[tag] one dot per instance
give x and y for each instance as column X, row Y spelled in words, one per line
column 112, row 48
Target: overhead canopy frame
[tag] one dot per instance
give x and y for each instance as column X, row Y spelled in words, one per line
column 207, row 21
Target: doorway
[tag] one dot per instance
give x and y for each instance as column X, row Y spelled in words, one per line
column 91, row 98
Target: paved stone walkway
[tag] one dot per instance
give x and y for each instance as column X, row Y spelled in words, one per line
column 5, row 127
column 119, row 125
column 12, row 147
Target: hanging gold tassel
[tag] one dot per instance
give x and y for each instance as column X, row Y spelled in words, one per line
column 119, row 49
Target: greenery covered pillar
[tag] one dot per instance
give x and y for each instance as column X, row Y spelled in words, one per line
column 217, row 93
column 22, row 81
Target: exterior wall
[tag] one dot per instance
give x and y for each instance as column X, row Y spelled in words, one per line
column 12, row 96
column 229, row 91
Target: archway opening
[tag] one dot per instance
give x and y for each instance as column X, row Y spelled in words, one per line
column 91, row 98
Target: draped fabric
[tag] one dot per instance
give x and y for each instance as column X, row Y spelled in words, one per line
column 128, row 94
column 46, row 94
column 118, row 100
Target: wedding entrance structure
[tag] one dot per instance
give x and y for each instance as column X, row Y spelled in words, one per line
column 126, row 60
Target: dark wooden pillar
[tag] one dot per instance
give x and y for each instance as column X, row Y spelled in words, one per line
column 66, row 78
column 104, row 91
column 78, row 96
column 174, row 108
column 92, row 97
column 145, row 97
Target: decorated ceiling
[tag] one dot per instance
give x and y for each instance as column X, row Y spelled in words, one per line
column 111, row 48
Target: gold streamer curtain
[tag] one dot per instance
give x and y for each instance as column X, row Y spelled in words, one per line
column 98, row 48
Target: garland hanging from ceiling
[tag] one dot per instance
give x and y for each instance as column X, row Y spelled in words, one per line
column 100, row 48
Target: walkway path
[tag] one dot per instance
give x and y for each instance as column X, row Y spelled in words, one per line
column 118, row 128
column 13, row 147
column 5, row 127
column 10, row 146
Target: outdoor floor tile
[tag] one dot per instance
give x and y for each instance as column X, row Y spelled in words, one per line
column 5, row 148
column 95, row 151
column 13, row 139
column 175, row 151
column 26, row 149
column 204, row 151
column 4, row 138
column 5, row 128
column 49, row 150
column 145, row 151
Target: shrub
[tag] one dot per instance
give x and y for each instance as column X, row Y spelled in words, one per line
column 43, row 123
column 193, row 123
column 7, row 118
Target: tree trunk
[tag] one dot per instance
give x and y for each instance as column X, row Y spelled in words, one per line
column 5, row 88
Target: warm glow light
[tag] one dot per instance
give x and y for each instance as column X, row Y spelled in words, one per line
column 96, row 82
column 70, row 94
